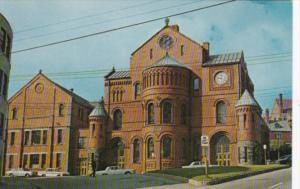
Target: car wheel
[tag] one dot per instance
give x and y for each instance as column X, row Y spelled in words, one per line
column 11, row 175
column 27, row 175
column 127, row 173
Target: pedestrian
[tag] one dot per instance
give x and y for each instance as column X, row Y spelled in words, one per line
column 93, row 168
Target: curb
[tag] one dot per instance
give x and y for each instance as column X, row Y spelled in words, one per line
column 171, row 177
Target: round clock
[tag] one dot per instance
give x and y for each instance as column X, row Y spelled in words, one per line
column 221, row 78
column 165, row 42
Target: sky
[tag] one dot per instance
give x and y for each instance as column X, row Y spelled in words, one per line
column 261, row 29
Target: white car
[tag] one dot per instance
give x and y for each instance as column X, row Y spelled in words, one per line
column 52, row 172
column 114, row 170
column 20, row 172
column 197, row 164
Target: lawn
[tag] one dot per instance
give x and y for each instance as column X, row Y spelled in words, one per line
column 219, row 173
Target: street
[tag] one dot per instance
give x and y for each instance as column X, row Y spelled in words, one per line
column 280, row 179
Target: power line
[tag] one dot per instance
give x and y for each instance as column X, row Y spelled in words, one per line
column 122, row 27
column 104, row 21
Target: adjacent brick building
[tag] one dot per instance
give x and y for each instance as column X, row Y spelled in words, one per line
column 47, row 127
column 6, row 37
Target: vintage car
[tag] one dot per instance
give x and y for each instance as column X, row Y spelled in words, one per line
column 52, row 172
column 114, row 170
column 20, row 172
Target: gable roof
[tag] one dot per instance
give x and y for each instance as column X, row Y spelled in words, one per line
column 228, row 58
column 118, row 75
column 282, row 125
column 75, row 97
column 247, row 100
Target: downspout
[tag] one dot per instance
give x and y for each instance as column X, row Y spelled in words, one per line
column 22, row 130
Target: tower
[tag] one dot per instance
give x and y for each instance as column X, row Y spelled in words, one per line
column 97, row 134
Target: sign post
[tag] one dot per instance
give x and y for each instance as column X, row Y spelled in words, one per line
column 205, row 145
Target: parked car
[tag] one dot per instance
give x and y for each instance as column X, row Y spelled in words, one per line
column 114, row 170
column 20, row 172
column 197, row 164
column 52, row 172
column 287, row 159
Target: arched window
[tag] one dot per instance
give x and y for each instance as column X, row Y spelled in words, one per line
column 167, row 112
column 60, row 110
column 151, row 113
column 136, row 151
column 150, row 148
column 183, row 114
column 220, row 111
column 166, row 147
column 117, row 119
column 14, row 113
column 137, row 90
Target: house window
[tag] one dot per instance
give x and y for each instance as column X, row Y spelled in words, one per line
column 12, row 138
column 220, row 111
column 59, row 136
column 81, row 142
column 167, row 112
column 246, row 154
column 34, row 159
column 25, row 158
column 60, row 110
column 183, row 114
column 166, row 147
column 58, row 160
column 151, row 113
column 150, row 148
column 43, row 160
column 196, row 84
column 239, row 154
column 14, row 113
column 136, row 151
column 44, row 137
column 137, row 89
column 36, row 137
column 93, row 129
column 117, row 119
column 26, row 138
column 11, row 161
column 245, row 119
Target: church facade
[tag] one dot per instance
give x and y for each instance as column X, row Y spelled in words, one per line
column 175, row 94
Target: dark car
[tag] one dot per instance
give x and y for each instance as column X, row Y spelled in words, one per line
column 287, row 159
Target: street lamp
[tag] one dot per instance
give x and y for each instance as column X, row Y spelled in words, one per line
column 265, row 149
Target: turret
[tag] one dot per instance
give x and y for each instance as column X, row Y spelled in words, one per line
column 97, row 132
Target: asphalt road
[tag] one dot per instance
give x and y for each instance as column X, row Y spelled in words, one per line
column 280, row 179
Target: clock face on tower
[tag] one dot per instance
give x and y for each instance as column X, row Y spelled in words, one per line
column 165, row 42
column 221, row 78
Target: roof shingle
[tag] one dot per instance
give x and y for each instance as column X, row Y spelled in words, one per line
column 119, row 75
column 228, row 58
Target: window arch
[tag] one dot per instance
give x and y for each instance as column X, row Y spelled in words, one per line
column 183, row 113
column 167, row 112
column 151, row 113
column 14, row 113
column 117, row 119
column 150, row 148
column 60, row 110
column 166, row 147
column 136, row 151
column 220, row 112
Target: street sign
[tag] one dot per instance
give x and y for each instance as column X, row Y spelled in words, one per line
column 204, row 140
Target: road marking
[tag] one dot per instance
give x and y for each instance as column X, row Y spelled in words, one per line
column 275, row 186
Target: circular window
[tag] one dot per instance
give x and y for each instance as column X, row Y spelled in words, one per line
column 39, row 88
column 166, row 42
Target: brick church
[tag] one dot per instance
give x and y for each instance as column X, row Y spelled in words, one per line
column 151, row 117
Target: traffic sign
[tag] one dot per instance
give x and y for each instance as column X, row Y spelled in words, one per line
column 204, row 140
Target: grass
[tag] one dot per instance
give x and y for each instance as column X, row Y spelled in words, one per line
column 218, row 173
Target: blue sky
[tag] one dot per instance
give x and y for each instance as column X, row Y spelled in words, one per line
column 256, row 27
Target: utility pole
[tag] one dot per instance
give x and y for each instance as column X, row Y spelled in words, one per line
column 265, row 151
column 278, row 147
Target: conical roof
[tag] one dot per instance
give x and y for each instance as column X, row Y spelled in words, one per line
column 247, row 100
column 99, row 110
column 167, row 60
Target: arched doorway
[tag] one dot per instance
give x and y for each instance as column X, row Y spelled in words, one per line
column 220, row 149
column 117, row 151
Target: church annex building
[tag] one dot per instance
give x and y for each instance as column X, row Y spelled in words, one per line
column 153, row 116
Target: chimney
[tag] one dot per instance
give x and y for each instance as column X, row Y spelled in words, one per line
column 280, row 107
column 267, row 116
column 206, row 51
column 72, row 90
